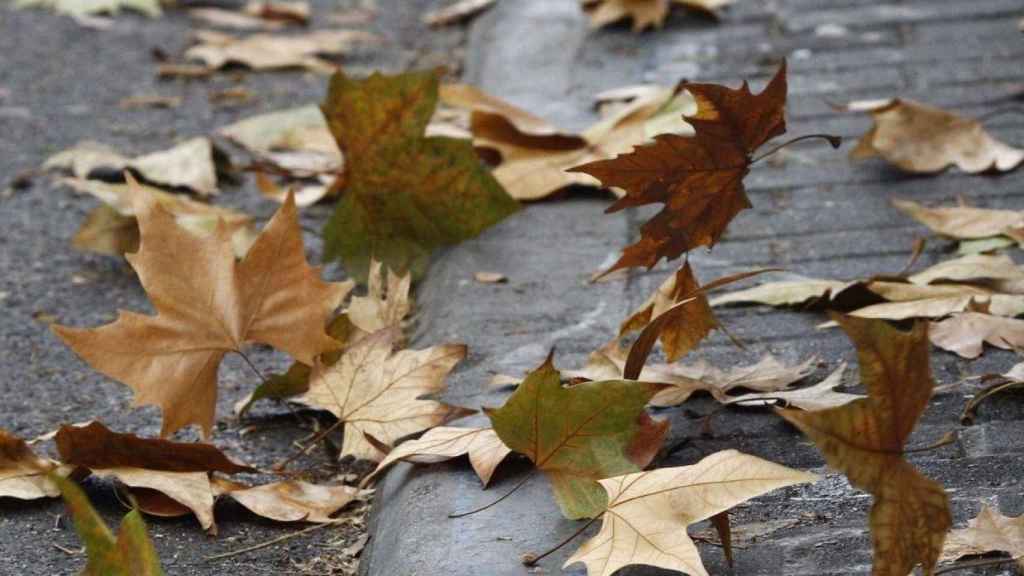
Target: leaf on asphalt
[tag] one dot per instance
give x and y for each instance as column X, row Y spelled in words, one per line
column 378, row 392
column 785, row 293
column 920, row 138
column 965, row 333
column 113, row 229
column 83, row 8
column 647, row 513
column 698, row 179
column 208, row 305
column 644, row 13
column 689, row 327
column 818, row 397
column 256, row 15
column 274, row 52
column 989, row 532
column 580, row 434
column 768, row 375
column 865, row 440
column 963, row 222
column 482, row 445
column 441, row 195
column 386, row 304
column 186, row 165
column 971, row 268
column 23, row 475
column 460, row 11
column 131, row 553
column 293, row 140
column 290, row 500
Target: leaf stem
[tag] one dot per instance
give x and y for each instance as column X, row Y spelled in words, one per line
column 947, row 439
column 507, row 494
column 280, row 466
column 975, row 564
column 531, row 560
column 273, row 541
column 835, row 141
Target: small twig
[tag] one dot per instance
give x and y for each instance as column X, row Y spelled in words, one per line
column 835, row 141
column 68, row 551
column 531, row 560
column 947, row 439
column 280, row 466
column 975, row 564
column 507, row 494
column 273, row 541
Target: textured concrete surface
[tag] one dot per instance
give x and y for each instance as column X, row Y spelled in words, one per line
column 815, row 214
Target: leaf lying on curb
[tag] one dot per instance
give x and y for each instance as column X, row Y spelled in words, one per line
column 376, row 391
column 442, row 195
column 208, row 305
column 647, row 513
column 272, row 52
column 130, row 554
column 644, row 13
column 482, row 445
column 966, row 333
column 818, row 397
column 865, row 440
column 189, row 164
column 917, row 137
column 699, row 179
column 989, row 532
column 23, row 475
column 580, row 434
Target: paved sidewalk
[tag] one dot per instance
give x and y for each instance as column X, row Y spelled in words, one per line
column 816, row 215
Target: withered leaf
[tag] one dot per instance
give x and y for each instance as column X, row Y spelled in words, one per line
column 690, row 325
column 963, row 222
column 460, row 11
column 291, row 500
column 386, row 304
column 23, row 475
column 644, row 13
column 989, row 532
column 698, row 179
column 208, row 305
column 270, row 52
column 81, row 9
column 865, row 440
column 966, row 332
column 817, row 397
column 485, row 450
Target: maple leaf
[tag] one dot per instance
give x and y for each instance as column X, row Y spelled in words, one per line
column 644, row 13
column 290, row 500
column 208, row 305
column 966, row 332
column 441, row 194
column 989, row 532
column 647, row 513
column 377, row 392
column 386, row 303
column 921, row 138
column 23, row 475
column 482, row 445
column 699, row 179
column 131, row 553
column 580, row 434
column 865, row 440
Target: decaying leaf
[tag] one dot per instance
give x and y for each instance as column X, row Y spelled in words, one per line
column 23, row 475
column 818, row 397
column 295, row 140
column 970, row 268
column 966, row 333
column 84, row 8
column 698, row 179
column 378, row 392
column 482, row 445
column 208, row 305
column 644, row 13
column 271, row 52
column 785, row 293
column 963, row 222
column 256, row 15
column 917, row 137
column 460, row 11
column 187, row 165
column 580, row 434
column 386, row 303
column 989, row 532
column 865, row 440
column 647, row 513
column 291, row 500
column 131, row 553
column 442, row 195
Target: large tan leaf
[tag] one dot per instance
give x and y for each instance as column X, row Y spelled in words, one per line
column 973, row 267
column 377, row 392
column 291, row 500
column 817, row 397
column 482, row 445
column 963, row 222
column 270, row 52
column 989, row 532
column 967, row 332
column 785, row 293
column 207, row 306
column 648, row 512
column 689, row 327
column 22, row 473
column 865, row 440
column 921, row 138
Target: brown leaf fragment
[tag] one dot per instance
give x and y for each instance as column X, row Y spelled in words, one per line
column 917, row 137
column 865, row 440
column 150, row 101
column 456, row 13
column 485, row 450
column 989, row 532
column 965, row 333
column 291, row 500
column 688, row 327
column 699, row 179
column 22, row 473
column 270, row 52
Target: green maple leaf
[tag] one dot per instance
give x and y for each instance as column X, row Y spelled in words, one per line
column 404, row 194
column 580, row 434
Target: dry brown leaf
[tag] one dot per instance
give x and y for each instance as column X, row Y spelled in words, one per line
column 269, row 52
column 785, row 293
column 989, row 532
column 817, row 397
column 644, row 13
column 22, row 473
column 648, row 512
column 291, row 500
column 1005, row 305
column 150, row 101
column 482, row 445
column 963, row 222
column 921, row 138
column 966, row 333
column 973, row 267
column 305, row 194
column 866, row 438
column 208, row 305
column 386, row 303
column 377, row 392
column 460, row 11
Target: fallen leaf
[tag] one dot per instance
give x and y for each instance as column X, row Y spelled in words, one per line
column 974, row 267
column 989, row 532
column 130, row 554
column 271, row 52
column 917, row 137
column 460, row 11
column 482, row 445
column 208, row 305
column 387, row 301
column 490, row 277
column 23, row 475
column 152, row 101
column 817, row 397
column 291, row 500
column 256, row 15
column 580, row 434
column 865, row 440
column 768, row 375
column 442, row 195
column 699, row 179
column 647, row 513
column 295, row 140
column 83, row 8
column 691, row 325
column 963, row 222
column 785, row 293
column 291, row 11
column 305, row 195
column 376, row 391
column 644, row 13
column 187, row 165
column 966, row 332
